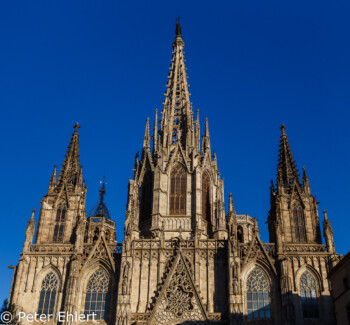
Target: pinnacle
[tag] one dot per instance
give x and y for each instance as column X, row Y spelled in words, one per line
column 286, row 169
column 71, row 164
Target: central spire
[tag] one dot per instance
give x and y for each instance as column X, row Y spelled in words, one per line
column 177, row 116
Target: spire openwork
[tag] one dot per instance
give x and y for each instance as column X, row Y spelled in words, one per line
column 71, row 169
column 177, row 116
column 287, row 172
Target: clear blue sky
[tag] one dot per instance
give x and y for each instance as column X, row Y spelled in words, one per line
column 252, row 65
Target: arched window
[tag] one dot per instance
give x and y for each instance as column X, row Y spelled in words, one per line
column 48, row 295
column 97, row 294
column 298, row 223
column 178, row 191
column 240, row 235
column 206, row 197
column 59, row 224
column 258, row 295
column 308, row 293
column 146, row 197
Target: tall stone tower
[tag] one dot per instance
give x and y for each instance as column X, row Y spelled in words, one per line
column 294, row 228
column 175, row 227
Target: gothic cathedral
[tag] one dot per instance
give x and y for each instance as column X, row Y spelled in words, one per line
column 183, row 260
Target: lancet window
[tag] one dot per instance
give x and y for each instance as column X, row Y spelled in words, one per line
column 146, row 197
column 206, row 197
column 59, row 224
column 298, row 223
column 178, row 190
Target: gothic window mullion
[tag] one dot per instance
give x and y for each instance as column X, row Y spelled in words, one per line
column 308, row 294
column 177, row 191
column 258, row 295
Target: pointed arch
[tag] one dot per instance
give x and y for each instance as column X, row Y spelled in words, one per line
column 60, row 222
column 298, row 222
column 146, row 196
column 206, row 191
column 48, row 294
column 258, row 294
column 177, row 197
column 96, row 295
column 309, row 292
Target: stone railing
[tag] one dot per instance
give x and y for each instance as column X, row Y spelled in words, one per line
column 52, row 248
column 175, row 223
column 301, row 248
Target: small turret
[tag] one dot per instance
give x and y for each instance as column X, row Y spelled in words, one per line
column 30, row 230
column 328, row 233
column 53, row 179
column 155, row 133
column 306, row 182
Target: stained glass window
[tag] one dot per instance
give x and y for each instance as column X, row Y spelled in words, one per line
column 298, row 223
column 97, row 294
column 59, row 224
column 308, row 292
column 48, row 295
column 178, row 191
column 258, row 295
column 206, row 197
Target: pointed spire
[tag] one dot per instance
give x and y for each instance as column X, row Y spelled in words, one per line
column 286, row 169
column 206, row 136
column 101, row 209
column 32, row 218
column 146, row 139
column 325, row 216
column 306, row 181
column 71, row 165
column 53, row 179
column 328, row 233
column 30, row 230
column 231, row 207
column 155, row 132
column 198, row 132
column 177, row 116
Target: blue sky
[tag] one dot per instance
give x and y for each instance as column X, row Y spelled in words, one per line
column 252, row 65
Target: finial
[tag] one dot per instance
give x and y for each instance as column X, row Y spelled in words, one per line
column 102, row 190
column 76, row 126
column 231, row 207
column 282, row 127
column 178, row 27
column 33, row 214
column 325, row 214
column 206, row 127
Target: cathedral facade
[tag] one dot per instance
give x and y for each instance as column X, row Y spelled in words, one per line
column 184, row 258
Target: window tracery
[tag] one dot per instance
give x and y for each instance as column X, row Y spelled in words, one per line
column 258, row 295
column 298, row 223
column 59, row 224
column 97, row 294
column 48, row 295
column 308, row 293
column 206, row 197
column 178, row 190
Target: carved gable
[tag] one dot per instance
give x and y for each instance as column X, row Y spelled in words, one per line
column 179, row 300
